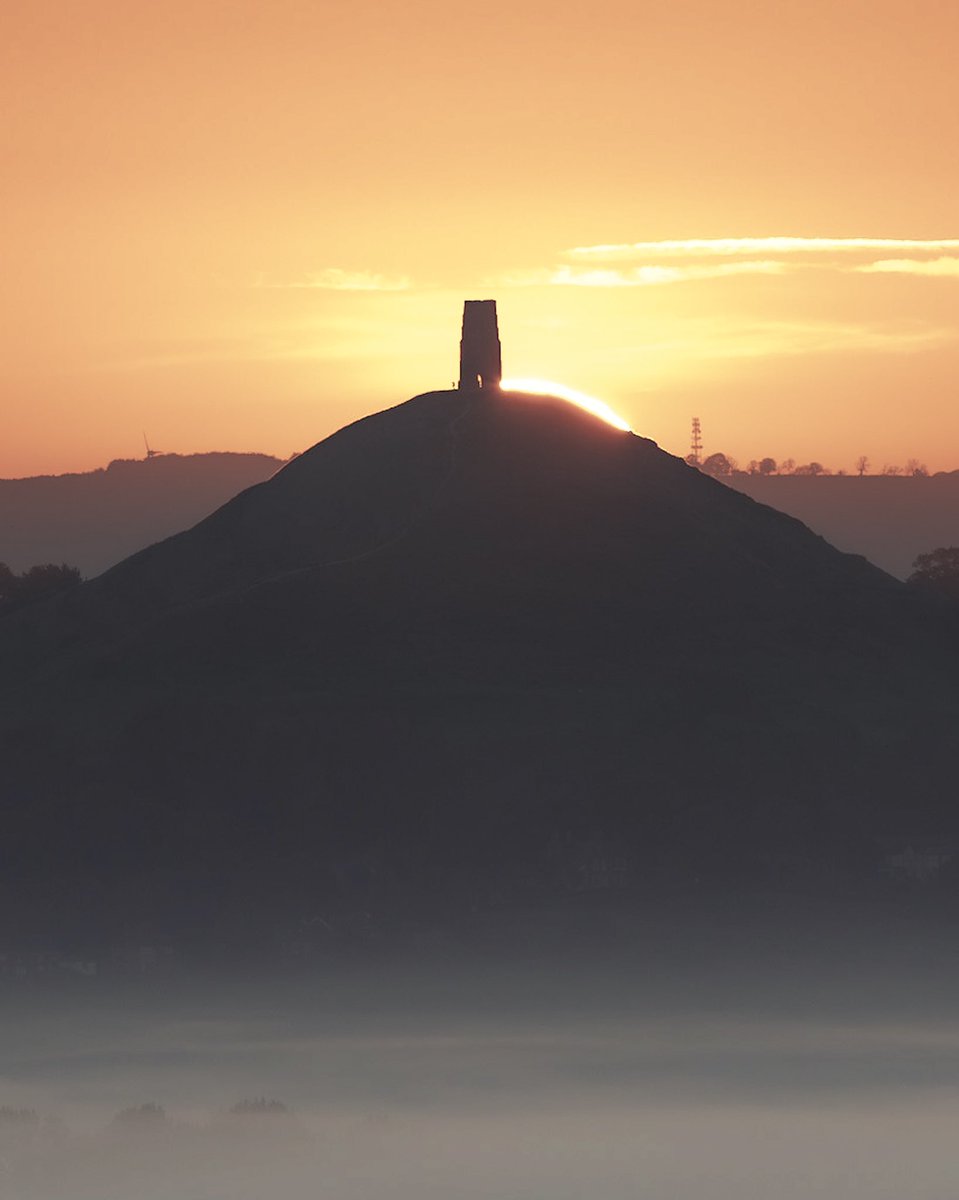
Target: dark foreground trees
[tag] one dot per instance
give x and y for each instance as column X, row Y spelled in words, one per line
column 938, row 570
column 37, row 583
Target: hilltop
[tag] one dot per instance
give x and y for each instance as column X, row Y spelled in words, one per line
column 96, row 518
column 451, row 636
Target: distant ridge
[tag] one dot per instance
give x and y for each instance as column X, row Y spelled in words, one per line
column 889, row 518
column 96, row 518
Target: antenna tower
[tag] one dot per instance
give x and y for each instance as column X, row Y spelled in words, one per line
column 696, row 445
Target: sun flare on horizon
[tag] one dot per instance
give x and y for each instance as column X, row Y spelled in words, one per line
column 590, row 404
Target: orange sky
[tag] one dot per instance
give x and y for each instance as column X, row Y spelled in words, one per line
column 238, row 226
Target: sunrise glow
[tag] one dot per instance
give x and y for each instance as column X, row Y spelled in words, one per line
column 228, row 262
column 545, row 387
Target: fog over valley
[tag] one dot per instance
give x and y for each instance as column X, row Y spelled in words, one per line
column 813, row 1073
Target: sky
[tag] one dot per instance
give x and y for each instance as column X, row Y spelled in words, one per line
column 238, row 226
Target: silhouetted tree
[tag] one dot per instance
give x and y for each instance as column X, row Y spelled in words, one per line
column 767, row 466
column 10, row 1116
column 938, row 570
column 19, row 1127
column 787, row 466
column 862, row 465
column 8, row 584
column 35, row 584
column 260, row 1107
column 719, row 464
column 141, row 1114
column 916, row 468
column 891, row 469
column 813, row 468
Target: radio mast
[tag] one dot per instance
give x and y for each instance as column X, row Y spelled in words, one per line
column 696, row 445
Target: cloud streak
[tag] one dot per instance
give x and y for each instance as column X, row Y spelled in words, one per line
column 654, row 275
column 944, row 267
column 733, row 247
column 651, row 264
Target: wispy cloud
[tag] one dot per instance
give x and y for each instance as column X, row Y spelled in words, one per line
column 654, row 275
column 649, row 264
column 944, row 267
column 334, row 279
column 732, row 247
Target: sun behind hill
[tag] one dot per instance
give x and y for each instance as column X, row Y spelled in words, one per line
column 544, row 387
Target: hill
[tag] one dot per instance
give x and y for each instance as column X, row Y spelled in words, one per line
column 94, row 519
column 889, row 518
column 438, row 656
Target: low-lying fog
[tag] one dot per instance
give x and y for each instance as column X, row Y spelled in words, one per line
column 563, row 1080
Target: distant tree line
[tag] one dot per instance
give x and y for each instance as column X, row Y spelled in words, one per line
column 13, row 1120
column 721, row 465
column 40, row 1155
column 17, row 591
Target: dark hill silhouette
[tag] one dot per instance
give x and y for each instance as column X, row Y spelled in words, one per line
column 96, row 518
column 441, row 639
column 888, row 518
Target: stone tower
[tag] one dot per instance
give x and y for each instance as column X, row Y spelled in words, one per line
column 480, row 356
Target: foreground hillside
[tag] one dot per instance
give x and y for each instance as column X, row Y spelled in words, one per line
column 443, row 653
column 891, row 519
column 95, row 519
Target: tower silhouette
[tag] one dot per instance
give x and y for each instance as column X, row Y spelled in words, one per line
column 696, row 444
column 481, row 363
